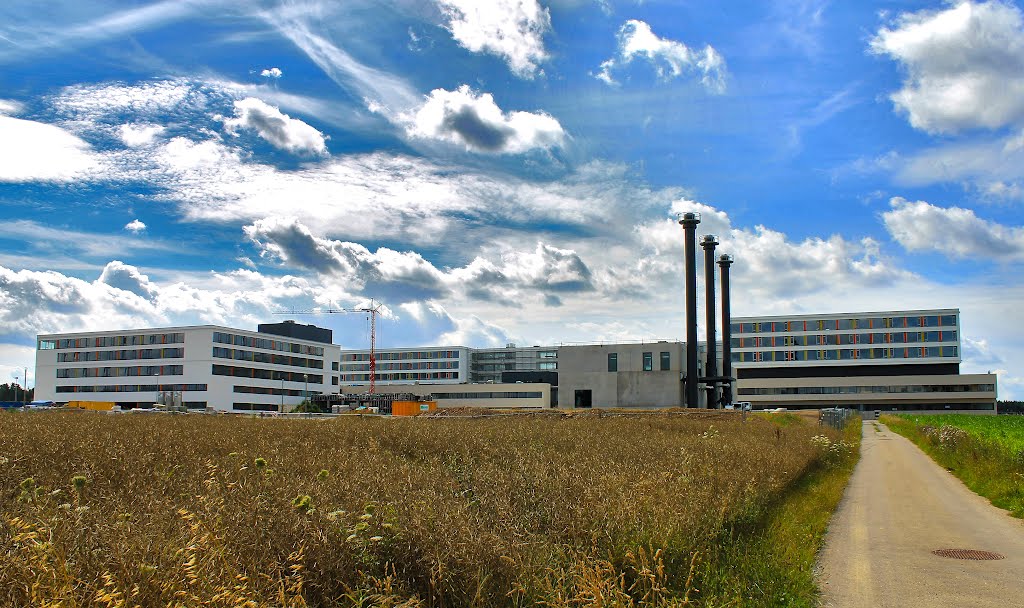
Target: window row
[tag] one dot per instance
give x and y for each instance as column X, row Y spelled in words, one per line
column 401, row 376
column 119, row 372
column 258, row 357
column 266, row 374
column 267, row 344
column 104, row 341
column 856, row 390
column 132, row 388
column 850, row 323
column 664, row 361
column 365, row 367
column 490, row 395
column 845, row 354
column 403, row 356
column 263, row 390
column 254, row 407
column 903, row 337
column 121, row 355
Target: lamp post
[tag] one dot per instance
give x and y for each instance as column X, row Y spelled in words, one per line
column 305, row 396
column 24, row 389
column 17, row 380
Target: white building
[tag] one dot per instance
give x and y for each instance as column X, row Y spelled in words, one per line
column 902, row 360
column 209, row 366
column 426, row 365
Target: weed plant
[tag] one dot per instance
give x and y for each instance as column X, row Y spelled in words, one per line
column 985, row 452
column 99, row 510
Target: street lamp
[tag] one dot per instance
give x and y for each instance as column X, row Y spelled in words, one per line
column 17, row 379
column 305, row 396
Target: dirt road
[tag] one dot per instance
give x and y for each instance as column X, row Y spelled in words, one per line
column 898, row 508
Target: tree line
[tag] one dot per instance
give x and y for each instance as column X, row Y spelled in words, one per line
column 14, row 392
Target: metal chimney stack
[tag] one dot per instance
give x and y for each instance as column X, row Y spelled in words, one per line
column 689, row 223
column 724, row 262
column 708, row 243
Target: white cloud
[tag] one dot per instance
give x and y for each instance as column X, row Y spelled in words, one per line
column 964, row 65
column 281, row 130
column 135, row 226
column 511, row 29
column 126, row 277
column 670, row 58
column 272, row 73
column 9, row 106
column 145, row 100
column 136, row 135
column 405, row 276
column 31, row 151
column 952, row 231
column 475, row 121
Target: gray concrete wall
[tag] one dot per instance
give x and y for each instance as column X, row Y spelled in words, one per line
column 585, row 367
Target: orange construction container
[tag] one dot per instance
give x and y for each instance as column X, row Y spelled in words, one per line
column 98, row 406
column 412, row 408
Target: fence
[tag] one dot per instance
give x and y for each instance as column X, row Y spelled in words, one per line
column 836, row 417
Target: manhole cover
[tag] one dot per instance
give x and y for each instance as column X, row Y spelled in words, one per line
column 967, row 554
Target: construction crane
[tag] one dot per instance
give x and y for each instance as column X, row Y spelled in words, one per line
column 373, row 309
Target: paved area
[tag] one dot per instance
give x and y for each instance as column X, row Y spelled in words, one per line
column 899, row 507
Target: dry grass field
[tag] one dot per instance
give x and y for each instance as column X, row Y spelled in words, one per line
column 192, row 510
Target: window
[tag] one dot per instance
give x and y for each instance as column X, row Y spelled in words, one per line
column 547, row 354
column 613, row 362
column 47, row 344
column 666, row 361
column 547, row 365
column 648, row 362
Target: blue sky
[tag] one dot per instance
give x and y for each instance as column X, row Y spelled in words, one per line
column 508, row 171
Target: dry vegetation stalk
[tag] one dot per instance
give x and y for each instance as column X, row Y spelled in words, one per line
column 99, row 510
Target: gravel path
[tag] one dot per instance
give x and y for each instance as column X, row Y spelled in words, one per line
column 898, row 508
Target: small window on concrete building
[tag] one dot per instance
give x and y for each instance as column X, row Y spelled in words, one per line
column 648, row 362
column 613, row 362
column 666, row 361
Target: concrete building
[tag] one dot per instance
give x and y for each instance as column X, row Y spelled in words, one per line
column 220, row 367
column 894, row 360
column 644, row 375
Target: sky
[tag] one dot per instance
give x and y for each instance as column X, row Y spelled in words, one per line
column 508, row 171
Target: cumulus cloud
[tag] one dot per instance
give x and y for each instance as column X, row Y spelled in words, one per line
column 31, row 151
column 953, row 231
column 475, row 121
column 272, row 73
column 670, row 58
column 511, row 29
column 125, row 277
column 135, row 226
column 964, row 65
column 136, row 135
column 281, row 130
column 769, row 264
column 406, row 276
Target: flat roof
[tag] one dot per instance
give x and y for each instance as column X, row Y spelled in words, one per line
column 848, row 315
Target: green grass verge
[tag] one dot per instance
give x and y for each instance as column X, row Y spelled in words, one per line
column 985, row 461
column 771, row 562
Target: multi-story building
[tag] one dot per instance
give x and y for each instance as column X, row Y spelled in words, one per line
column 495, row 364
column 904, row 360
column 203, row 366
column 424, row 365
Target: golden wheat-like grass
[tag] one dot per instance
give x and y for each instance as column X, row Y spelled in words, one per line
column 215, row 511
